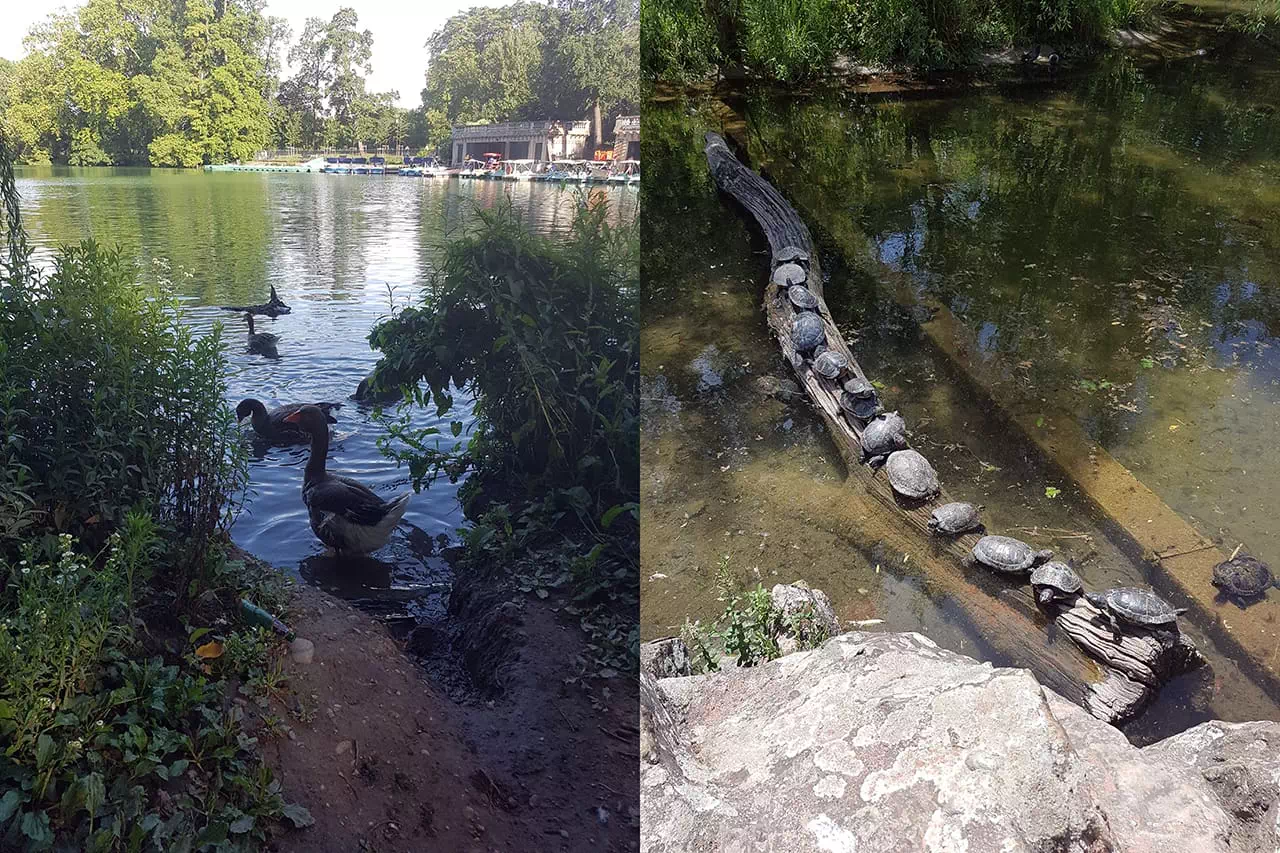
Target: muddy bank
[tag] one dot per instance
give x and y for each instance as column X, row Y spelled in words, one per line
column 506, row 755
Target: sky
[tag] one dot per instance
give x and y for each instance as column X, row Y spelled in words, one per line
column 400, row 32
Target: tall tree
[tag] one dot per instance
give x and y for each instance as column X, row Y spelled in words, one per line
column 603, row 48
column 332, row 58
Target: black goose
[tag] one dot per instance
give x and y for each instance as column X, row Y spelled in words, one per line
column 273, row 307
column 345, row 515
column 272, row 426
column 262, row 343
column 365, row 394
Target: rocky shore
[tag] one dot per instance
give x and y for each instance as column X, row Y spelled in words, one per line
column 885, row 742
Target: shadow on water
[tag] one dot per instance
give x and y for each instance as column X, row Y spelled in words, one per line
column 341, row 251
column 1031, row 215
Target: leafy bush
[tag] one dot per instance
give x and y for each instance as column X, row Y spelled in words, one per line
column 109, row 401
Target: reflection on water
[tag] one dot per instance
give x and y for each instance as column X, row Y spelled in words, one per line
column 340, row 250
column 1041, row 220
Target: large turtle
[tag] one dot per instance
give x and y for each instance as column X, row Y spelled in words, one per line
column 830, row 364
column 883, row 435
column 1243, row 578
column 807, row 331
column 789, row 274
column 1135, row 606
column 802, row 297
column 1008, row 555
column 862, row 408
column 1055, row 580
column 955, row 518
column 911, row 475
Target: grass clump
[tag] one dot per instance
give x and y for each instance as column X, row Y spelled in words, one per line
column 117, row 462
column 542, row 334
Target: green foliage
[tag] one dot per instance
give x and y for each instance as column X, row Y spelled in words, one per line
column 543, row 336
column 680, row 41
column 749, row 628
column 789, row 40
column 530, row 61
column 102, row 83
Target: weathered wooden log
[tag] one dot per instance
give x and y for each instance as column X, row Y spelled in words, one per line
column 273, row 307
column 1127, row 671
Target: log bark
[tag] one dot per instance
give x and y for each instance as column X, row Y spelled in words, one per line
column 1113, row 679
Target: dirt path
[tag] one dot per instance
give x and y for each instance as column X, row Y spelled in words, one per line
column 385, row 762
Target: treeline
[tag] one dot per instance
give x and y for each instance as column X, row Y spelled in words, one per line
column 186, row 82
column 790, row 40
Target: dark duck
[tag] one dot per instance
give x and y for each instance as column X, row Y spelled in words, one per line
column 271, row 424
column 273, row 307
column 345, row 515
column 262, row 343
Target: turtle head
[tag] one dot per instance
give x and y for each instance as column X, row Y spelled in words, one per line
column 933, row 523
column 1042, row 557
column 1044, row 595
column 1097, row 599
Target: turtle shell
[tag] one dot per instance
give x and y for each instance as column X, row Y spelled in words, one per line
column 791, row 255
column 1136, row 605
column 859, row 387
column 1244, row 576
column 1055, row 578
column 830, row 364
column 911, row 475
column 863, row 409
column 807, row 331
column 884, row 434
column 1006, row 554
column 953, row 518
column 802, row 297
column 788, row 274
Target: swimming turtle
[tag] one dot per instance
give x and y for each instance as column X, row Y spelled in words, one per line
column 884, row 434
column 1243, row 577
column 789, row 274
column 1055, row 580
column 802, row 297
column 830, row 364
column 791, row 255
column 862, row 408
column 1135, row 606
column 1008, row 555
column 911, row 475
column 807, row 331
column 955, row 518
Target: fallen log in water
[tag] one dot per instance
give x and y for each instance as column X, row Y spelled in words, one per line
column 273, row 307
column 1128, row 669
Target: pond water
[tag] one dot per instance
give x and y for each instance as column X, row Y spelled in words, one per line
column 340, row 250
column 1109, row 234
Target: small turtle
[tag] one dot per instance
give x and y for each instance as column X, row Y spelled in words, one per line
column 1008, row 555
column 789, row 274
column 830, row 364
column 819, row 350
column 862, row 408
column 1243, row 578
column 955, row 518
column 1136, row 607
column 859, row 387
column 791, row 255
column 807, row 331
column 1054, row 580
column 911, row 475
column 802, row 297
column 883, row 435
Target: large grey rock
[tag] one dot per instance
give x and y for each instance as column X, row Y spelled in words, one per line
column 799, row 600
column 879, row 743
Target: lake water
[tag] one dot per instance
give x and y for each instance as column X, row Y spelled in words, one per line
column 1109, row 234
column 340, row 250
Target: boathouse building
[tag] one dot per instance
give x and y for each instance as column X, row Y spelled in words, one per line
column 522, row 140
column 626, row 138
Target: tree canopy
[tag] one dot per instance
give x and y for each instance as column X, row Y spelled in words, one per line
column 169, row 83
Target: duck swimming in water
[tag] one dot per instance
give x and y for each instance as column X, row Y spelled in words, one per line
column 262, row 343
column 345, row 515
column 273, row 307
column 272, row 426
